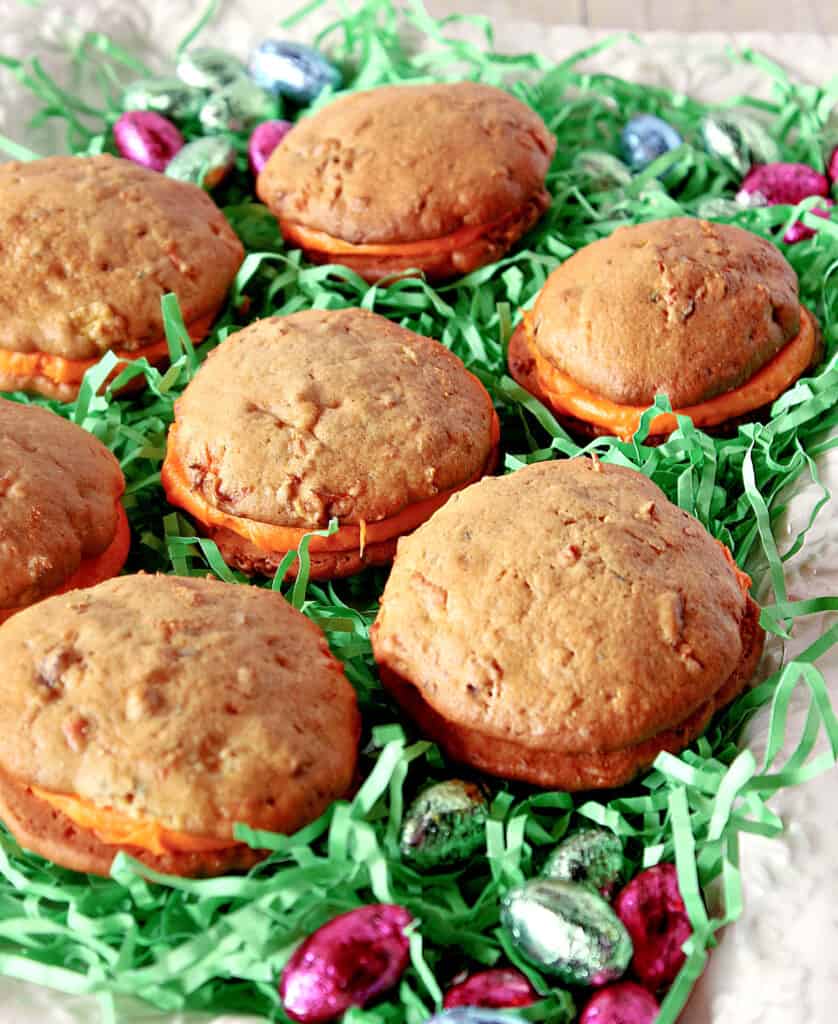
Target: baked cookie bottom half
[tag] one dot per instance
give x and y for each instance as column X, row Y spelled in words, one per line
column 439, row 259
column 46, row 831
column 552, row 769
column 719, row 416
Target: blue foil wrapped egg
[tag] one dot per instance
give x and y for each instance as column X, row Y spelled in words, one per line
column 291, row 69
column 645, row 138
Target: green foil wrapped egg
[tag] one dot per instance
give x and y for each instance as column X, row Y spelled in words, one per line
column 168, row 97
column 445, row 824
column 237, row 107
column 204, row 162
column 568, row 930
column 738, row 141
column 593, row 856
column 209, row 69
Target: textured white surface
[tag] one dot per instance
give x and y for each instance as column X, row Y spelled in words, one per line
column 777, row 965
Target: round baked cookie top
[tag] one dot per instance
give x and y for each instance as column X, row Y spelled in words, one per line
column 680, row 306
column 568, row 604
column 188, row 701
column 342, row 413
column 406, row 163
column 90, row 244
column 59, row 488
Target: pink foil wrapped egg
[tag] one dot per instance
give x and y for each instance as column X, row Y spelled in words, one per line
column 264, row 140
column 496, row 989
column 623, row 1003
column 652, row 910
column 785, row 183
column 347, row 962
column 147, row 138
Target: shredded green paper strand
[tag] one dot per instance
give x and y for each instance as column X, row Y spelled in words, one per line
column 219, row 945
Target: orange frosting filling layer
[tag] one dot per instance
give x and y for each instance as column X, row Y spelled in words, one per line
column 770, row 381
column 71, row 371
column 97, row 569
column 117, row 829
column 320, row 241
column 274, row 539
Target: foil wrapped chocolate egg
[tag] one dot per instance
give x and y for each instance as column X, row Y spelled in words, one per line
column 623, row 1003
column 293, row 70
column 783, row 183
column 146, row 138
column 592, row 855
column 645, row 138
column 204, row 162
column 475, row 1015
column 236, row 108
column 166, row 96
column 347, row 962
column 496, row 988
column 209, row 69
column 264, row 140
column 653, row 912
column 738, row 141
column 445, row 824
column 567, row 930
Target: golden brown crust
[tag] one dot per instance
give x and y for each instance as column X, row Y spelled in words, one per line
column 680, row 306
column 48, row 832
column 98, row 241
column 59, row 488
column 330, row 414
column 227, row 706
column 407, row 163
column 550, row 768
column 443, row 265
column 568, row 606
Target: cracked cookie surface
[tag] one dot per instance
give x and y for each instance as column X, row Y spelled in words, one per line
column 59, row 488
column 681, row 306
column 567, row 609
column 91, row 244
column 408, row 163
column 298, row 419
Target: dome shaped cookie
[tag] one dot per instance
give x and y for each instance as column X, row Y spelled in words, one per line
column 441, row 178
column 227, row 707
column 705, row 313
column 62, row 524
column 325, row 414
column 563, row 625
column 90, row 245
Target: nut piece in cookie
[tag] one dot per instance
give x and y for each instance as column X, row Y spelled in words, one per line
column 90, row 244
column 62, row 525
column 323, row 415
column 563, row 625
column 707, row 314
column 441, row 179
column 227, row 707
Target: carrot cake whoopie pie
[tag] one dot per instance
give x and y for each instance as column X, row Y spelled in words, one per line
column 707, row 313
column 570, row 653
column 339, row 414
column 62, row 524
column 442, row 178
column 227, row 707
column 90, row 244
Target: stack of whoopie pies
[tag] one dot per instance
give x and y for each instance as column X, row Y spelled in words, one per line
column 561, row 625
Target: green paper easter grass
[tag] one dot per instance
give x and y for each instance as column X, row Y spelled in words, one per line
column 219, row 944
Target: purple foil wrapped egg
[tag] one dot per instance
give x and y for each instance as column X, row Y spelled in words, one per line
column 264, row 140
column 348, row 962
column 147, row 138
column 785, row 183
column 798, row 231
column 623, row 1003
column 652, row 910
column 496, row 989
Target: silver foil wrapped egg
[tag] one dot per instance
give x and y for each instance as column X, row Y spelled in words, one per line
column 237, row 107
column 291, row 69
column 592, row 855
column 568, row 930
column 204, row 162
column 445, row 824
column 209, row 69
column 166, row 96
